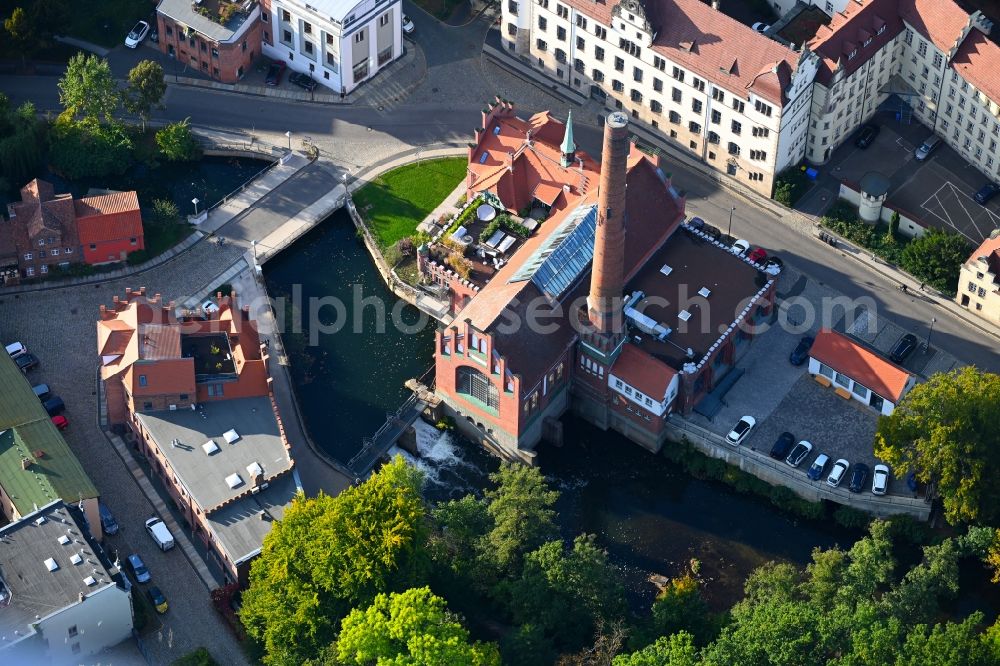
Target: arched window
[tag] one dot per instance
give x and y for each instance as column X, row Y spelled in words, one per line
column 475, row 384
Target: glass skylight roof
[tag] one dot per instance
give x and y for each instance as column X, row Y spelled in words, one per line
column 564, row 255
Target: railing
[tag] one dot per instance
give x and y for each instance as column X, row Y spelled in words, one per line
column 393, row 419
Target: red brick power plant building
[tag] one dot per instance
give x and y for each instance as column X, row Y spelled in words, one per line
column 612, row 307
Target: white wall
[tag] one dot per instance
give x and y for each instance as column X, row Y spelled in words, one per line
column 887, row 405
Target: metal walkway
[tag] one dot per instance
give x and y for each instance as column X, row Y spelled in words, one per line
column 378, row 445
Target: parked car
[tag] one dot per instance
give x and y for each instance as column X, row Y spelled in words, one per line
column 760, row 26
column 137, row 34
column 740, row 247
column 161, row 535
column 799, row 453
column 60, row 422
column 903, row 348
column 15, row 349
column 859, row 474
column 866, row 136
column 986, row 192
column 741, row 430
column 157, row 599
column 302, row 81
column 815, row 471
column 801, row 351
column 782, row 446
column 408, row 27
column 758, row 255
column 696, row 223
column 275, row 72
column 26, row 361
column 880, row 480
column 929, row 145
column 108, row 522
column 42, row 391
column 138, row 568
column 210, row 306
column 775, row 260
column 837, row 473
column 54, row 405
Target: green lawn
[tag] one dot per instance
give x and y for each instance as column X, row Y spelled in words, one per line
column 159, row 238
column 398, row 200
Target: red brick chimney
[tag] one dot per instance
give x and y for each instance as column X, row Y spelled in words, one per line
column 607, row 279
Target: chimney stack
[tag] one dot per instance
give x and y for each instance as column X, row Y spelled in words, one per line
column 607, row 279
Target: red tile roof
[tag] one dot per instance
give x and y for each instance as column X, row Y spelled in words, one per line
column 848, row 31
column 107, row 204
column 640, row 370
column 977, row 62
column 940, row 21
column 847, row 357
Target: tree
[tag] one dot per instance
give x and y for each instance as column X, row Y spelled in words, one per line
column 946, row 430
column 164, row 213
column 88, row 89
column 521, row 508
column 454, row 545
column 22, row 32
column 894, row 223
column 86, row 148
column 177, row 143
column 22, row 137
column 936, row 257
column 675, row 650
column 680, row 606
column 410, row 628
column 329, row 554
column 145, row 90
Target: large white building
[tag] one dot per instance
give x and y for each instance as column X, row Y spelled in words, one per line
column 59, row 601
column 750, row 106
column 340, row 43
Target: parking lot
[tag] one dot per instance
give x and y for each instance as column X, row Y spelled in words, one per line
column 936, row 192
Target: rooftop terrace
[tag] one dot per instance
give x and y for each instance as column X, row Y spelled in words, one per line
column 219, row 20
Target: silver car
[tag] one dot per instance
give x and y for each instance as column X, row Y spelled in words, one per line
column 838, row 473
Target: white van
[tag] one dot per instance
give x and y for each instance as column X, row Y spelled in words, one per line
column 927, row 147
column 16, row 349
column 161, row 535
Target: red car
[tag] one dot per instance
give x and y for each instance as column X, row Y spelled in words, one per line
column 757, row 255
column 60, row 422
column 274, row 73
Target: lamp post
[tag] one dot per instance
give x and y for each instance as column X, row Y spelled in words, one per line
column 930, row 329
column 731, row 211
column 288, row 135
column 195, row 201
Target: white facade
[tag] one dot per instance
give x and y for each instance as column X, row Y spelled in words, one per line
column 858, row 391
column 658, row 405
column 340, row 43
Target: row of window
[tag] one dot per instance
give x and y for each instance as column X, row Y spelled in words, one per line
column 29, row 256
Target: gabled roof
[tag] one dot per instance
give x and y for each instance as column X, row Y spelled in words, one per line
column 978, row 62
column 848, row 32
column 107, row 204
column 940, row 21
column 860, row 364
column 640, row 370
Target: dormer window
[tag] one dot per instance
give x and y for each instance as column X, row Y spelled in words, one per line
column 881, row 29
column 850, row 56
column 868, row 41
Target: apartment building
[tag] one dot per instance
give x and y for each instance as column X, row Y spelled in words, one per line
column 340, row 43
column 733, row 98
column 979, row 280
column 218, row 38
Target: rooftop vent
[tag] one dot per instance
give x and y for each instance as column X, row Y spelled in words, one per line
column 231, row 436
column 210, row 447
column 254, row 469
column 234, row 480
column 704, row 292
column 666, row 270
column 90, row 581
column 40, row 520
column 482, row 158
column 51, row 565
column 683, row 315
column 63, row 540
column 76, row 559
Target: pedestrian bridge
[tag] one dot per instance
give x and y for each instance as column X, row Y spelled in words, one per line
column 378, row 445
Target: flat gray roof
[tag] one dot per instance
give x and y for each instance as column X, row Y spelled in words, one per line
column 183, row 11
column 28, row 589
column 240, row 527
column 182, row 434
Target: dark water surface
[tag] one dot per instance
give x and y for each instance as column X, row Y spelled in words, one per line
column 651, row 516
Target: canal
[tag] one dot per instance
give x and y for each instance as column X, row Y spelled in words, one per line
column 651, row 516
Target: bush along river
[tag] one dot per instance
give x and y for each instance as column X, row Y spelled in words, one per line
column 651, row 516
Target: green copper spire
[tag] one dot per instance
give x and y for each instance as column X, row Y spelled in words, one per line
column 568, row 146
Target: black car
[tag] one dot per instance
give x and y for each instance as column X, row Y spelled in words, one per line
column 859, row 474
column 866, row 136
column 801, row 351
column 274, row 73
column 302, row 81
column 903, row 348
column 696, row 223
column 27, row 361
column 782, row 446
column 986, row 192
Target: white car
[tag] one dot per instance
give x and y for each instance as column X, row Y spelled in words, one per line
column 880, row 480
column 138, row 34
column 741, row 430
column 408, row 26
column 210, row 306
column 740, row 247
column 16, row 349
column 760, row 26
column 838, row 473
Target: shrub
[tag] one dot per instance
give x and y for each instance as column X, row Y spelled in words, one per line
column 138, row 257
column 164, row 213
column 86, row 148
column 460, row 265
column 851, row 518
column 406, row 247
column 936, row 258
column 392, row 255
column 199, row 657
column 790, row 185
column 843, row 219
column 177, row 143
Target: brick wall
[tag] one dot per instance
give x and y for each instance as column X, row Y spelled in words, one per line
column 229, row 66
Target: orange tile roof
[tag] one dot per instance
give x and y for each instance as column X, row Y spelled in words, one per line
column 640, row 370
column 107, row 204
column 165, row 376
column 848, row 31
column 940, row 21
column 976, row 61
column 159, row 341
column 847, row 357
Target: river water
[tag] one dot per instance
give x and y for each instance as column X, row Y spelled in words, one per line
column 651, row 516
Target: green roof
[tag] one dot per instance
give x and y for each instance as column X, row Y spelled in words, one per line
column 26, row 429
